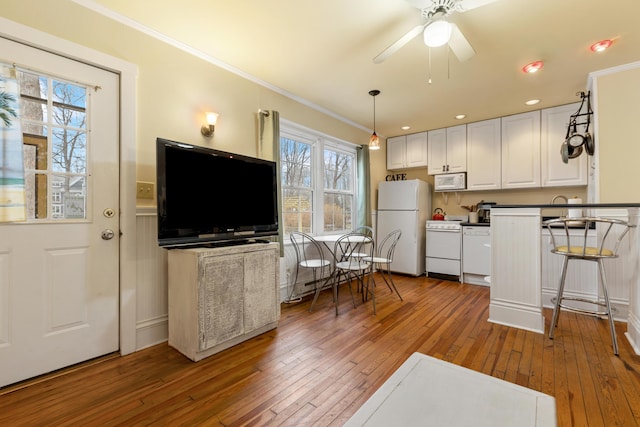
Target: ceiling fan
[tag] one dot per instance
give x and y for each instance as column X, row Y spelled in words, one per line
column 437, row 30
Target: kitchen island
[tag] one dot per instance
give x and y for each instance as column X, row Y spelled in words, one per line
column 516, row 267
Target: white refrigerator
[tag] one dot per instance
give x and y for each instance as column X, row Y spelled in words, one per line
column 405, row 205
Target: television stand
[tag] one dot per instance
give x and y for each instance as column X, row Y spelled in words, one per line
column 222, row 296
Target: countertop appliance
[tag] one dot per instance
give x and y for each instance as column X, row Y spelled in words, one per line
column 476, row 255
column 443, row 249
column 405, row 205
column 484, row 211
column 450, row 181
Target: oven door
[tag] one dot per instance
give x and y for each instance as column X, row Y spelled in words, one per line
column 444, row 244
column 443, row 252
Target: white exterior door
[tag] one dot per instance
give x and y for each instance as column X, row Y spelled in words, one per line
column 59, row 271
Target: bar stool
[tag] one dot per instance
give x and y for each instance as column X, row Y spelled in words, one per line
column 575, row 247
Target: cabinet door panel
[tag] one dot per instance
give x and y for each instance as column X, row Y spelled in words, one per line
column 554, row 131
column 221, row 300
column 396, row 151
column 483, row 155
column 417, row 152
column 437, row 148
column 521, row 150
column 260, row 304
column 457, row 148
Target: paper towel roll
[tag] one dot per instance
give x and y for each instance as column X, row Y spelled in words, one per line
column 575, row 212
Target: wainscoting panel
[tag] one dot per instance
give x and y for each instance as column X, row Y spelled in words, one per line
column 152, row 306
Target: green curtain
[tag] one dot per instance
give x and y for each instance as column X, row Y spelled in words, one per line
column 269, row 148
column 364, row 186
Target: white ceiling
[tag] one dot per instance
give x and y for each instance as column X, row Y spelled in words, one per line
column 321, row 51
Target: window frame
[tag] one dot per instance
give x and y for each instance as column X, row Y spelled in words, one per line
column 319, row 142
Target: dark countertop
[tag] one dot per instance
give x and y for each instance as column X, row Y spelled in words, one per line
column 567, row 206
column 475, row 224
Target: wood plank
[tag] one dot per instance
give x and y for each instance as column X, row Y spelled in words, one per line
column 318, row 368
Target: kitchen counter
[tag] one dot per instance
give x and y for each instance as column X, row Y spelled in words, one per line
column 475, row 224
column 516, row 278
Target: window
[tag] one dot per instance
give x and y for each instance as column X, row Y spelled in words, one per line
column 54, row 125
column 318, row 181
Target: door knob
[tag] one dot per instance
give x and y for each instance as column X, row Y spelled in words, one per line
column 107, row 234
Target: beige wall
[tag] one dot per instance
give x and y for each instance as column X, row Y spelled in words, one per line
column 175, row 89
column 618, row 138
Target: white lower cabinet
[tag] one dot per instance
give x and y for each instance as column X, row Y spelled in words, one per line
column 219, row 297
column 476, row 255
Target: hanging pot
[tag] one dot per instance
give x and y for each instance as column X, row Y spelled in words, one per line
column 564, row 152
column 589, row 144
column 574, row 151
column 575, row 140
column 438, row 214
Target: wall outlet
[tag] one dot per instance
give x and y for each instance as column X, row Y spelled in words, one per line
column 144, row 190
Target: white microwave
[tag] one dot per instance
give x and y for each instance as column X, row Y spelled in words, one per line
column 450, row 182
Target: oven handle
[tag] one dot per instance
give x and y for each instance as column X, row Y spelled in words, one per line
column 442, row 230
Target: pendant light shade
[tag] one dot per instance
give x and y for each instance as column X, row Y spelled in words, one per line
column 374, row 141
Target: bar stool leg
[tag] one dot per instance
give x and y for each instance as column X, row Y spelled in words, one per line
column 605, row 292
column 556, row 307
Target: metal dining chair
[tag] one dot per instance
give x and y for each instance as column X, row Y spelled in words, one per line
column 349, row 252
column 384, row 258
column 574, row 246
column 309, row 254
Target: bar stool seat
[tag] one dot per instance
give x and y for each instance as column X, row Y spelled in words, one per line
column 574, row 246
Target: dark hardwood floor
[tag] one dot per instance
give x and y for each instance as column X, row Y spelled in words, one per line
column 318, row 369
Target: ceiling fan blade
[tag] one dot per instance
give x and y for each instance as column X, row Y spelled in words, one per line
column 415, row 31
column 459, row 44
column 465, row 5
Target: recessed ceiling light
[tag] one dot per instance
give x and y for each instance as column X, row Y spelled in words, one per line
column 461, row 116
column 532, row 101
column 405, row 127
column 601, row 46
column 533, row 67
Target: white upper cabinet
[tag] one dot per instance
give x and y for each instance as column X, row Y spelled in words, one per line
column 408, row 151
column 521, row 150
column 555, row 172
column 448, row 150
column 483, row 155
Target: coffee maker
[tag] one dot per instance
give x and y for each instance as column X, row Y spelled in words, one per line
column 484, row 211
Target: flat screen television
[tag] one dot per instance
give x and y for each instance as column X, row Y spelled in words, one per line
column 208, row 196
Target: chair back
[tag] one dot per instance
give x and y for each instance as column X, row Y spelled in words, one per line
column 351, row 248
column 307, row 250
column 569, row 236
column 387, row 247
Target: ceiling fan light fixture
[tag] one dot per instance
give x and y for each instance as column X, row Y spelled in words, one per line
column 601, row 46
column 437, row 33
column 374, row 140
column 533, row 67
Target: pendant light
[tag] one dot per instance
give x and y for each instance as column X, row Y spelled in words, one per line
column 374, row 141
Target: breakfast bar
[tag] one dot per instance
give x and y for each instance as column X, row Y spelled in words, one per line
column 516, row 269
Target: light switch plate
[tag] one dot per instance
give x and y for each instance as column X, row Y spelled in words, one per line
column 144, row 190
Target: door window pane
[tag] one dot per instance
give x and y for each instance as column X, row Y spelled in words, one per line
column 54, row 126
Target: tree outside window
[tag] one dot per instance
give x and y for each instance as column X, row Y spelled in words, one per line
column 318, row 183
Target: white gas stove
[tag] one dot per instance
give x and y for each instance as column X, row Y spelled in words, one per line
column 444, row 248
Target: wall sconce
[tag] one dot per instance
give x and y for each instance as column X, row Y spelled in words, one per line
column 208, row 129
